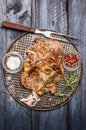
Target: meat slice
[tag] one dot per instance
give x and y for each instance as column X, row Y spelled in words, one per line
column 43, row 68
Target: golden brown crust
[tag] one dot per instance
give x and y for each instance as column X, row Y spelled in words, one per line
column 43, row 68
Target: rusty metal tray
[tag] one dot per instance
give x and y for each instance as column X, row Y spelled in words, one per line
column 48, row 101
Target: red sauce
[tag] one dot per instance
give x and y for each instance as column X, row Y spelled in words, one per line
column 70, row 60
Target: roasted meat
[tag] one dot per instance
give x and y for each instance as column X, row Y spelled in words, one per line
column 43, row 68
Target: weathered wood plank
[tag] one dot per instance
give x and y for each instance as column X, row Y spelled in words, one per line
column 17, row 116
column 51, row 14
column 55, row 119
column 59, row 16
column 2, row 51
column 77, row 27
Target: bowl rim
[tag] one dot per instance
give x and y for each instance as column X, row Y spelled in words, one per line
column 10, row 54
column 76, row 66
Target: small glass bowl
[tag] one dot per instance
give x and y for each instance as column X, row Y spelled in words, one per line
column 5, row 60
column 71, row 68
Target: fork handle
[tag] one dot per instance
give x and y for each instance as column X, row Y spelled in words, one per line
column 19, row 27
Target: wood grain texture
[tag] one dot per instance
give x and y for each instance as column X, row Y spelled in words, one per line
column 77, row 27
column 44, row 18
column 51, row 14
column 17, row 116
column 59, row 16
column 66, row 16
column 54, row 119
column 2, row 51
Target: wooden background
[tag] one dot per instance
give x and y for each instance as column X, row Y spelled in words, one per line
column 65, row 16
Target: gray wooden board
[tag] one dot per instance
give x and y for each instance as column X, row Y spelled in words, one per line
column 60, row 15
column 2, row 51
column 77, row 27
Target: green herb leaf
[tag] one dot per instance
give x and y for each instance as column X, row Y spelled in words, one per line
column 71, row 80
column 61, row 95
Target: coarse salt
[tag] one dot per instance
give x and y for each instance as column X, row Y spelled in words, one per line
column 13, row 62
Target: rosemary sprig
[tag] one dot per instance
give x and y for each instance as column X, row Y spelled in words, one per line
column 61, row 95
column 71, row 80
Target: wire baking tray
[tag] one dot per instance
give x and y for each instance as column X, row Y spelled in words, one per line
column 48, row 101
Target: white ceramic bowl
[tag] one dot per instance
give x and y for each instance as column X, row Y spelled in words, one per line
column 5, row 60
column 72, row 68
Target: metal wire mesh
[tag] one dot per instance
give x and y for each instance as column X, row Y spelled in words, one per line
column 17, row 91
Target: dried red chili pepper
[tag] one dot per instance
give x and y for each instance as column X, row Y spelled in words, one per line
column 70, row 59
